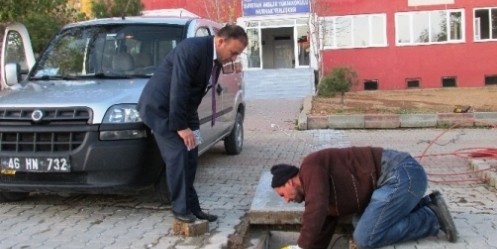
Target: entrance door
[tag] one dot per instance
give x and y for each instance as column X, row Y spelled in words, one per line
column 283, row 54
column 278, row 47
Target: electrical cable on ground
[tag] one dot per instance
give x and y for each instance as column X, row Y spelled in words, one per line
column 468, row 153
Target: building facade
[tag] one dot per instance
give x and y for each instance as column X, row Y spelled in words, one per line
column 390, row 44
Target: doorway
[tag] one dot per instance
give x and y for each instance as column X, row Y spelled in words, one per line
column 278, row 47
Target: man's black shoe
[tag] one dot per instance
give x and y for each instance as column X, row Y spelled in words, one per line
column 205, row 216
column 441, row 210
column 187, row 218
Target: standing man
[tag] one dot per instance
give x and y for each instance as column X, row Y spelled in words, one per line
column 169, row 103
column 384, row 187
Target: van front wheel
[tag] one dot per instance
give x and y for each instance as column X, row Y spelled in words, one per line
column 233, row 143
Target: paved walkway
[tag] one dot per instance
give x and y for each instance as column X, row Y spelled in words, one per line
column 226, row 186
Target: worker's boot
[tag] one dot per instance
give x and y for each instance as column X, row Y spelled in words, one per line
column 441, row 210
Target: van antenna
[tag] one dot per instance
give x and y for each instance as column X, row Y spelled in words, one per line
column 125, row 10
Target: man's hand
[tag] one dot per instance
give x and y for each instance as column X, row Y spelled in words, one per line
column 291, row 247
column 188, row 138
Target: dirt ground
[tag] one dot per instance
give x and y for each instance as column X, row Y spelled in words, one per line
column 480, row 99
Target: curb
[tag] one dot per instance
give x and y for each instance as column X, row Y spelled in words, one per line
column 485, row 169
column 392, row 121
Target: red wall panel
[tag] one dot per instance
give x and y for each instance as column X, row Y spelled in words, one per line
column 468, row 61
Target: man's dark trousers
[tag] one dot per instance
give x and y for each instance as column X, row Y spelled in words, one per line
column 181, row 167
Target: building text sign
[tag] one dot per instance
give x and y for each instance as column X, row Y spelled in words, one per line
column 429, row 2
column 274, row 7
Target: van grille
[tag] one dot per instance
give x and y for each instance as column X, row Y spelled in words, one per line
column 35, row 129
column 40, row 141
column 20, row 116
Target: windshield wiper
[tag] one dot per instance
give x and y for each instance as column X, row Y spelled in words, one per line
column 54, row 77
column 120, row 76
column 144, row 76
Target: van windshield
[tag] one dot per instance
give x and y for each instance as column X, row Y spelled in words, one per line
column 107, row 50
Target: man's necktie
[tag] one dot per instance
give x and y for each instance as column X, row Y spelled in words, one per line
column 214, row 77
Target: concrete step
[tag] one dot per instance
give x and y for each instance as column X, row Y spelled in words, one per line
column 279, row 83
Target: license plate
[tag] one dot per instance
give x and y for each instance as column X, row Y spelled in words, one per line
column 10, row 165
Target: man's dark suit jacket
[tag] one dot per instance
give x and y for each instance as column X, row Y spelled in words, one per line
column 170, row 100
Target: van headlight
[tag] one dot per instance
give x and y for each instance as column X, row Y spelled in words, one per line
column 118, row 122
column 120, row 114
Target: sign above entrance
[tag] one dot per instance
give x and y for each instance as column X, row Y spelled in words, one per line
column 428, row 2
column 274, row 7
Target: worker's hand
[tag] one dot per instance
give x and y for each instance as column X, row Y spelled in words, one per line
column 291, row 247
column 188, row 138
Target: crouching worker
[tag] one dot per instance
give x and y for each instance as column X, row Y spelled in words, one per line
column 384, row 188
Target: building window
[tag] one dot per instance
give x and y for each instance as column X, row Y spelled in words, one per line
column 357, row 31
column 429, row 27
column 412, row 83
column 371, row 85
column 490, row 80
column 485, row 24
column 449, row 81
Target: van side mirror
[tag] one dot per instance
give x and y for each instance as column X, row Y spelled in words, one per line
column 12, row 73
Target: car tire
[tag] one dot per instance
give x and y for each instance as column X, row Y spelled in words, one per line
column 13, row 196
column 233, row 143
column 162, row 189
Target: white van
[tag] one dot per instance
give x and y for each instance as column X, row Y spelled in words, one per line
column 68, row 121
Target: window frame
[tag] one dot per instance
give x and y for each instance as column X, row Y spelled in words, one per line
column 410, row 15
column 477, row 32
column 370, row 17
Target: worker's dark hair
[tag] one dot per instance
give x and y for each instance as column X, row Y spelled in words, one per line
column 233, row 31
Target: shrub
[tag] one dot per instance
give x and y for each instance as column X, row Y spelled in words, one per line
column 339, row 80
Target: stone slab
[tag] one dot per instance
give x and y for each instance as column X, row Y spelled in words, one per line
column 455, row 119
column 268, row 208
column 418, row 120
column 485, row 118
column 346, row 121
column 319, row 122
column 382, row 121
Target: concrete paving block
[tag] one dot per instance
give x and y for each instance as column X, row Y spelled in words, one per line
column 382, row 121
column 197, row 228
column 459, row 119
column 418, row 120
column 485, row 118
column 346, row 121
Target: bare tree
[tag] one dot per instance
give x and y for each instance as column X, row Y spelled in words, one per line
column 317, row 32
column 220, row 10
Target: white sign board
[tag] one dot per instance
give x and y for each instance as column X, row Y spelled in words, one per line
column 428, row 2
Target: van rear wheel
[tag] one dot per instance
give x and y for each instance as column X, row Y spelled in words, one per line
column 13, row 196
column 233, row 143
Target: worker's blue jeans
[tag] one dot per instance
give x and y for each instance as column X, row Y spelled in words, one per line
column 397, row 211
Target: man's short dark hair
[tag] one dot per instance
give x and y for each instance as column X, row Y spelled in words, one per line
column 233, row 31
column 282, row 173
